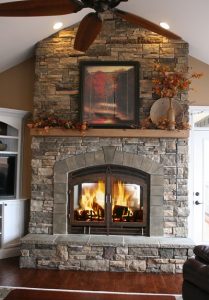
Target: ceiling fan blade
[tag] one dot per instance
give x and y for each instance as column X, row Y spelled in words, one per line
column 88, row 30
column 32, row 8
column 136, row 20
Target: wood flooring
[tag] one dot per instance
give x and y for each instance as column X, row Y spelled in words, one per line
column 12, row 275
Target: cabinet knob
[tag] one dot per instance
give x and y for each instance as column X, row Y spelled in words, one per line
column 5, row 204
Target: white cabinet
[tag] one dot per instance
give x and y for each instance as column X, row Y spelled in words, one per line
column 11, row 152
column 12, row 224
column 12, row 207
column 9, row 137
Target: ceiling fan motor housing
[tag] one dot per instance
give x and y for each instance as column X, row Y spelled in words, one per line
column 102, row 5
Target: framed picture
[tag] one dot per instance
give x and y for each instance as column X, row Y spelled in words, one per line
column 109, row 94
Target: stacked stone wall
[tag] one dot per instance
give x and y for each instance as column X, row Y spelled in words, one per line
column 171, row 153
column 57, row 91
column 57, row 64
column 114, row 254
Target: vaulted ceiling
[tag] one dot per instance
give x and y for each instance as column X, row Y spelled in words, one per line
column 187, row 18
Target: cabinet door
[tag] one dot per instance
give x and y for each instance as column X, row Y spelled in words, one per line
column 13, row 223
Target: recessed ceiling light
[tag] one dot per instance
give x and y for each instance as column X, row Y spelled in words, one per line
column 164, row 25
column 57, row 25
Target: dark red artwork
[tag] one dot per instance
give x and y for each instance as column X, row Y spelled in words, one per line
column 109, row 95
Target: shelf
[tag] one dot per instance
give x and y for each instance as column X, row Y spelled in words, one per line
column 9, row 137
column 8, row 152
column 132, row 133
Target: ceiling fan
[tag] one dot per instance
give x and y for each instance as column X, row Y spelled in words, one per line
column 91, row 24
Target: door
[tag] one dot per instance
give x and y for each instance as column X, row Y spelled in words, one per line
column 108, row 199
column 13, row 223
column 200, row 177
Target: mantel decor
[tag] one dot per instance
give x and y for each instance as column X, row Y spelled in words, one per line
column 170, row 110
column 169, row 85
column 53, row 121
column 52, row 124
column 109, row 93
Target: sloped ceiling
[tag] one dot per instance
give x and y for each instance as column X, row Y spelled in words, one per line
column 187, row 18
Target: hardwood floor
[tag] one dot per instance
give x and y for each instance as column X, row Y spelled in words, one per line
column 11, row 275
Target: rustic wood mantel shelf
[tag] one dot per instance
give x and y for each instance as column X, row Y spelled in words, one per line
column 95, row 132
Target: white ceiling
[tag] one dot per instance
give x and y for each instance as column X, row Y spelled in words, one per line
column 187, row 18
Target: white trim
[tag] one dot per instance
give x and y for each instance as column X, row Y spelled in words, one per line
column 192, row 110
column 88, row 291
column 10, row 252
column 14, row 118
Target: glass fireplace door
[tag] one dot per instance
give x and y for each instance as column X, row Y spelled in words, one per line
column 127, row 199
column 88, row 199
column 108, row 200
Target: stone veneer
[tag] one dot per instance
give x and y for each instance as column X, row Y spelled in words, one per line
column 57, row 91
column 105, row 253
column 57, row 64
column 53, row 157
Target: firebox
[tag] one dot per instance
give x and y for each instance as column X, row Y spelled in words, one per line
column 108, row 200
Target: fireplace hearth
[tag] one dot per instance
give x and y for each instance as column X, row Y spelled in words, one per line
column 108, row 199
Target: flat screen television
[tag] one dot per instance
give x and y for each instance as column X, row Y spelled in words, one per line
column 8, row 164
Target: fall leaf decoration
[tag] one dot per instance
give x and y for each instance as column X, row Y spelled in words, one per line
column 54, row 121
column 163, row 124
column 147, row 124
column 170, row 84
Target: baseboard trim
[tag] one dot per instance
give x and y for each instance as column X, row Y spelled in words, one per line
column 10, row 252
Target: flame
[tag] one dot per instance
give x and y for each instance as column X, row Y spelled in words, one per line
column 125, row 200
column 121, row 195
column 92, row 194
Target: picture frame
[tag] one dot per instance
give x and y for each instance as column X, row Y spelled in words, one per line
column 109, row 94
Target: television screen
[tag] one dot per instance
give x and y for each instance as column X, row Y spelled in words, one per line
column 7, row 175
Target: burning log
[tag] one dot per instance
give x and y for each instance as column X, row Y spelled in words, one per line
column 119, row 211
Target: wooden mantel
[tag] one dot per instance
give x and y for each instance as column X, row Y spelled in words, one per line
column 118, row 133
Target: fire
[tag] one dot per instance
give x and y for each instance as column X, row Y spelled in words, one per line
column 126, row 206
column 92, row 194
column 121, row 194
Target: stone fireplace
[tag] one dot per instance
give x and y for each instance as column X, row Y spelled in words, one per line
column 149, row 231
column 142, row 177
column 162, row 160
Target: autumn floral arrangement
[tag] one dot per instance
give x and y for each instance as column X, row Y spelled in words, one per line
column 54, row 121
column 169, row 84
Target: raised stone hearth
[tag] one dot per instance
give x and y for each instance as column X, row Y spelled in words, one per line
column 105, row 253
